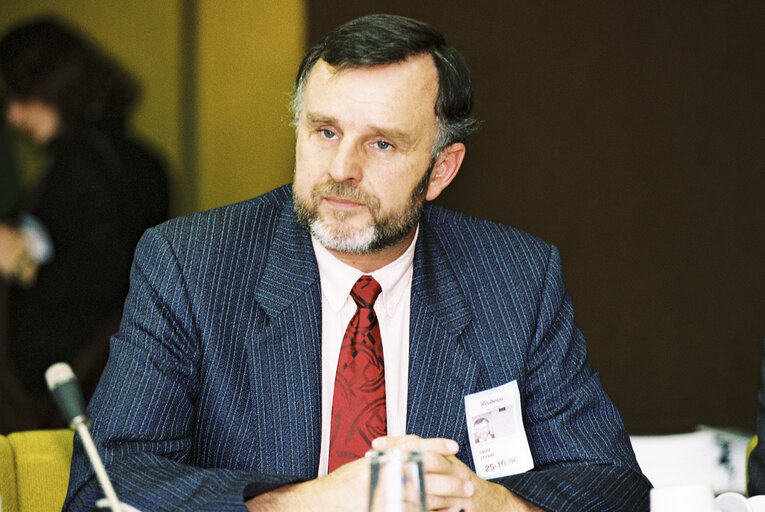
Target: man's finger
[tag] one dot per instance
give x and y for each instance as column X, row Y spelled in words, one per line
column 435, row 463
column 412, row 443
column 448, row 486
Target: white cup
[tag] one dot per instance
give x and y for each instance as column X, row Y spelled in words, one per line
column 683, row 498
column 732, row 502
column 757, row 503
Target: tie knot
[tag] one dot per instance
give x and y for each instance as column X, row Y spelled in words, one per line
column 365, row 292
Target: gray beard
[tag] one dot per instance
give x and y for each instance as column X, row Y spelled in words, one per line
column 380, row 233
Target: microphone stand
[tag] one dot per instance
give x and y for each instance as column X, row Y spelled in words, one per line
column 68, row 397
column 80, row 425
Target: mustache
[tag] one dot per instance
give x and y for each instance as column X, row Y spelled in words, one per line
column 345, row 190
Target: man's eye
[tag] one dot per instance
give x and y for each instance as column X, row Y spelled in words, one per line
column 381, row 144
column 328, row 134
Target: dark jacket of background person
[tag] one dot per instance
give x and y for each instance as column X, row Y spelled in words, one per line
column 756, row 467
column 9, row 173
column 101, row 190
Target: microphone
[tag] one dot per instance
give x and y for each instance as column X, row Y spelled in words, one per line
column 66, row 392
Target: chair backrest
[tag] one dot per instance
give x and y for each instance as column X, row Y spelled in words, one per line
column 7, row 477
column 34, row 470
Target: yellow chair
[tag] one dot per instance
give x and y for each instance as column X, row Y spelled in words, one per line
column 7, row 476
column 749, row 449
column 34, row 470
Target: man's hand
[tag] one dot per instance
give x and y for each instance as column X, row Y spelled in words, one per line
column 14, row 261
column 451, row 486
column 344, row 489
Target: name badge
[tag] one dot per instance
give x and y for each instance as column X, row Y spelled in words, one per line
column 497, row 437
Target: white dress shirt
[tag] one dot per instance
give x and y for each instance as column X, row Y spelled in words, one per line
column 392, row 309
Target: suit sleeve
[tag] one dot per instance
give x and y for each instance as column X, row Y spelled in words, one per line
column 144, row 408
column 582, row 453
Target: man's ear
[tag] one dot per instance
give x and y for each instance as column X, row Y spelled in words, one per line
column 447, row 165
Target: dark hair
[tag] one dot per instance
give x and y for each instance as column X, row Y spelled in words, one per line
column 49, row 61
column 385, row 39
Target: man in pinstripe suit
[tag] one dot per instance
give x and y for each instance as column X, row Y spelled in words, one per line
column 217, row 391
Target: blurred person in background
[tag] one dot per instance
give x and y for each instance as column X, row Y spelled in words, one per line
column 9, row 171
column 66, row 249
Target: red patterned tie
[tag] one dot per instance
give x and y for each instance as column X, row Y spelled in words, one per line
column 358, row 404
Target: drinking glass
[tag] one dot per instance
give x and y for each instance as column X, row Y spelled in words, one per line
column 396, row 481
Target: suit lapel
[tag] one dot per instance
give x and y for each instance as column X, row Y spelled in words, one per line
column 286, row 352
column 291, row 267
column 441, row 371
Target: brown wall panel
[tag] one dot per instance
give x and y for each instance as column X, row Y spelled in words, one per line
column 632, row 136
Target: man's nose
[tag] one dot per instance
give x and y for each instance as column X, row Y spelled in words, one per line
column 346, row 164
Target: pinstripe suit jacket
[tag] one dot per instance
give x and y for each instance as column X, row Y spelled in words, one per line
column 214, row 380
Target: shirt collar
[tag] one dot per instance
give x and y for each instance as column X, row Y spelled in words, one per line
column 337, row 278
